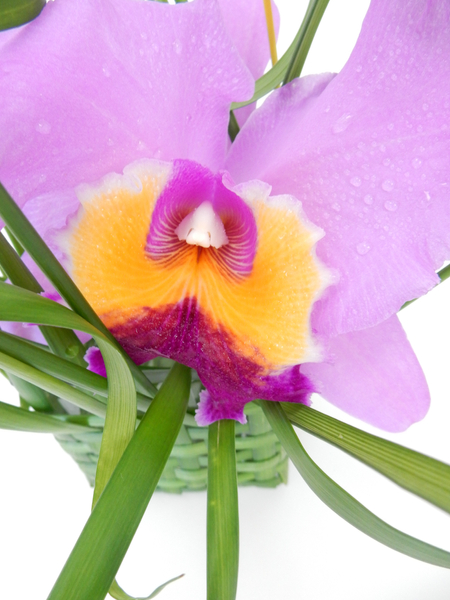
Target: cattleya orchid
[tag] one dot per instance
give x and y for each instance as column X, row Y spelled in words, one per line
column 273, row 266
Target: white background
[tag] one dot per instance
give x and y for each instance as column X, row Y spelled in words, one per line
column 292, row 546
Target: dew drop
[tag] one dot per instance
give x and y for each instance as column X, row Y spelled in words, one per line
column 177, row 46
column 43, row 127
column 416, row 163
column 363, row 248
column 368, row 199
column 355, row 181
column 336, row 206
column 106, row 72
column 342, row 123
column 390, row 206
column 387, row 185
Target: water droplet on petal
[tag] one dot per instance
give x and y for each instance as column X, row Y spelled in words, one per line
column 368, row 199
column 177, row 46
column 363, row 248
column 106, row 72
column 336, row 206
column 390, row 206
column 387, row 185
column 416, row 162
column 356, row 181
column 43, row 127
column 342, row 123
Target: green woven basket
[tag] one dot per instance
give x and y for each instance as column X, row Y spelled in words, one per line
column 260, row 459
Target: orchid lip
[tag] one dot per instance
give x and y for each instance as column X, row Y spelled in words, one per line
column 202, row 227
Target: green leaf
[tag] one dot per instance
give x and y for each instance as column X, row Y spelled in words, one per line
column 33, row 355
column 62, row 341
column 17, row 12
column 270, row 80
column 420, row 474
column 51, row 384
column 99, row 551
column 117, row 592
column 222, row 512
column 313, row 16
column 341, row 501
column 291, row 59
column 18, row 304
column 29, row 238
column 18, row 419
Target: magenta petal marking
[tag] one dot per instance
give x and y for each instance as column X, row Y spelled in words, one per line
column 184, row 333
column 374, row 375
column 190, row 186
column 95, row 361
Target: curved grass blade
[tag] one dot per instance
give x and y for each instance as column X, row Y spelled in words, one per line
column 18, row 419
column 99, row 551
column 292, row 59
column 270, row 80
column 222, row 513
column 33, row 355
column 63, row 342
column 52, row 385
column 17, row 304
column 341, row 502
column 420, row 474
column 18, row 12
column 29, row 238
column 119, row 594
column 313, row 16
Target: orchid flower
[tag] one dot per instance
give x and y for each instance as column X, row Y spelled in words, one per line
column 275, row 266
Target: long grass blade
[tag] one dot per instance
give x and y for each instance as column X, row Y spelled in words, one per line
column 420, row 474
column 341, row 502
column 222, row 513
column 99, row 551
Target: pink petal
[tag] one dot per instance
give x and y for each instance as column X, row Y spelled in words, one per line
column 246, row 25
column 90, row 86
column 375, row 376
column 369, row 161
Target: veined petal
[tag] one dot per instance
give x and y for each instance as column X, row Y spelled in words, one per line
column 246, row 329
column 374, row 375
column 92, row 85
column 369, row 162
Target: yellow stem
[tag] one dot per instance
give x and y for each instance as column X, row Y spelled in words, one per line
column 271, row 31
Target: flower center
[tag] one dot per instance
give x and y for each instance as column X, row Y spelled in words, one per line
column 202, row 227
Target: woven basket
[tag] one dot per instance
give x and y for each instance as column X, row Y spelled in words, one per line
column 260, row 459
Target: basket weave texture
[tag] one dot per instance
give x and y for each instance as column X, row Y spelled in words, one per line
column 260, row 459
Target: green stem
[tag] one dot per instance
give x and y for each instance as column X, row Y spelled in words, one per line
column 222, row 515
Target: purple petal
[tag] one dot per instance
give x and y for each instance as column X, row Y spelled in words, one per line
column 92, row 85
column 369, row 161
column 95, row 361
column 375, row 376
column 246, row 25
